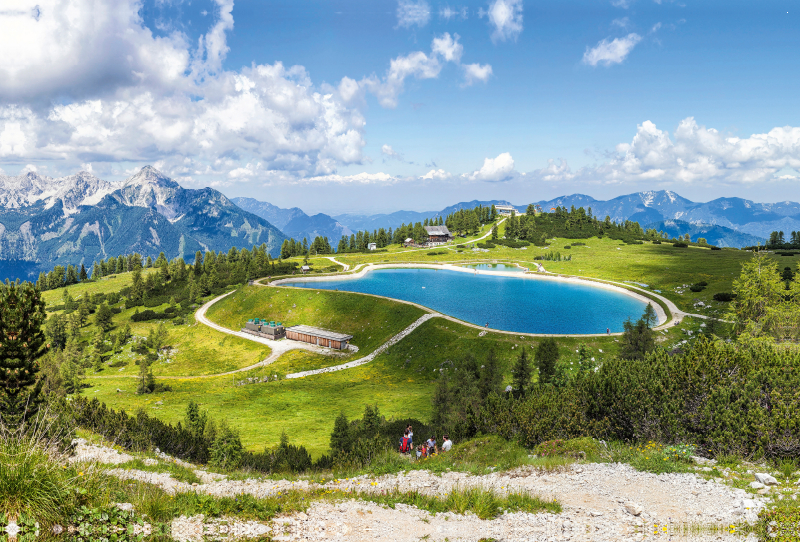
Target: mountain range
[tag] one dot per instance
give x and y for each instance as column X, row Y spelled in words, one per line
column 654, row 207
column 294, row 222
column 79, row 219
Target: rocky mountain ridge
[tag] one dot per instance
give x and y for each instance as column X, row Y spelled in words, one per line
column 79, row 219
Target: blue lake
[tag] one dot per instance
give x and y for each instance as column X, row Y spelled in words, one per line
column 508, row 303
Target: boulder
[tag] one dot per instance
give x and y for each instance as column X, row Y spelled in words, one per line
column 766, row 479
column 124, row 506
column 633, row 509
column 756, row 485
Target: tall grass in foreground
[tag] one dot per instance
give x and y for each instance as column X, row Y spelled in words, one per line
column 34, row 478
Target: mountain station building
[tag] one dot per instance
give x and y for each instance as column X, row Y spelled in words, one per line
column 505, row 210
column 438, row 235
column 318, row 336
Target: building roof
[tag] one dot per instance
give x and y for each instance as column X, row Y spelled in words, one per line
column 318, row 332
column 437, row 230
column 505, row 207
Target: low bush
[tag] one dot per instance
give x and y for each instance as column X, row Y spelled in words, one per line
column 697, row 287
column 712, row 395
column 511, row 243
column 656, row 242
column 724, row 297
column 437, row 253
column 679, row 245
column 715, row 248
column 460, row 246
column 486, row 245
column 633, row 242
column 781, row 524
column 148, row 314
column 578, row 244
column 578, row 448
column 567, row 246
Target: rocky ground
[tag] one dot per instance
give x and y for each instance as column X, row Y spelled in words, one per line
column 601, row 501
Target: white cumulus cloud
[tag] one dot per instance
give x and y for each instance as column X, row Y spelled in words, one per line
column 611, row 52
column 193, row 116
column 437, row 175
column 81, row 48
column 448, row 47
column 494, row 169
column 389, row 152
column 505, row 16
column 358, row 178
column 476, row 72
column 418, row 64
column 622, row 22
column 410, row 13
column 693, row 154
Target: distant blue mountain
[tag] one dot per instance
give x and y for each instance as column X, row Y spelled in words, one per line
column 737, row 214
column 393, row 220
column 715, row 235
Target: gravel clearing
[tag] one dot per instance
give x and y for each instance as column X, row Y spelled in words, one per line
column 601, row 501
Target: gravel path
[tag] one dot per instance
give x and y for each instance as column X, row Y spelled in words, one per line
column 345, row 267
column 366, row 359
column 601, row 501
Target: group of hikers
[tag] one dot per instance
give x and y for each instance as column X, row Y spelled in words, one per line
column 427, row 448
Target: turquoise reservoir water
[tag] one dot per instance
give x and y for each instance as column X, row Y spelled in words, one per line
column 496, row 267
column 507, row 303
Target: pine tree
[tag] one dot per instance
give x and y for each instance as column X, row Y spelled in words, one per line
column 491, row 378
column 22, row 313
column 521, row 374
column 195, row 420
column 55, row 330
column 637, row 339
column 546, row 356
column 84, row 275
column 441, row 402
column 102, row 318
column 341, row 441
column 649, row 316
column 145, row 378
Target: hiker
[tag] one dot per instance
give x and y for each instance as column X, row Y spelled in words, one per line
column 431, row 444
column 608, row 331
column 446, row 443
column 420, row 451
column 405, row 444
column 410, row 431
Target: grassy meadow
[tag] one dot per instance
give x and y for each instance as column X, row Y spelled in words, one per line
column 401, row 380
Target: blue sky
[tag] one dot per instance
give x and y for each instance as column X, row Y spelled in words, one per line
column 379, row 105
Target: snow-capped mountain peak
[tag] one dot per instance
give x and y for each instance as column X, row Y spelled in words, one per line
column 150, row 188
column 83, row 188
column 74, row 190
column 150, row 176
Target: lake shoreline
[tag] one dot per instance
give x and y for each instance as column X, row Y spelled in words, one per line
column 661, row 314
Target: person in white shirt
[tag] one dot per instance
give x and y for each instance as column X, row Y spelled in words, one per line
column 446, row 443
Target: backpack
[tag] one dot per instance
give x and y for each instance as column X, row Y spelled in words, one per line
column 404, row 445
